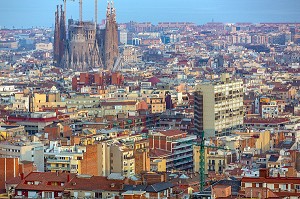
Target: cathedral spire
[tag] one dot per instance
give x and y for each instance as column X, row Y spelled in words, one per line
column 62, row 35
column 108, row 10
column 56, row 37
column 113, row 11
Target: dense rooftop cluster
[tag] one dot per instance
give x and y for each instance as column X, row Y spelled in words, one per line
column 136, row 132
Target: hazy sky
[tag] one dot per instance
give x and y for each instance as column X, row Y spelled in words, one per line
column 28, row 13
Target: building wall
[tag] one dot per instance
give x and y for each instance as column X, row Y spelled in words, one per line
column 220, row 192
column 158, row 165
column 156, row 105
column 142, row 160
column 9, row 168
column 222, row 107
column 105, row 158
column 264, row 141
column 122, row 161
column 90, row 163
column 34, row 153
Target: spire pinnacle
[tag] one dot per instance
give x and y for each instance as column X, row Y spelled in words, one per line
column 108, row 10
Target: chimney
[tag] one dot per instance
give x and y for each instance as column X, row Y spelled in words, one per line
column 165, row 177
column 68, row 178
column 264, row 173
column 22, row 176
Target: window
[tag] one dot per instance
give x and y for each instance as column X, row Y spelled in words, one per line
column 48, row 195
column 98, row 195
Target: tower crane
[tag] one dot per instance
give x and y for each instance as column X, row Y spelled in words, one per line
column 96, row 12
column 80, row 11
column 202, row 146
column 65, row 9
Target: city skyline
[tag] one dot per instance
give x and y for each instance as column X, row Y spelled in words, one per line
column 33, row 13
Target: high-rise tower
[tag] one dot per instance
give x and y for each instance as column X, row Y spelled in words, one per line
column 218, row 108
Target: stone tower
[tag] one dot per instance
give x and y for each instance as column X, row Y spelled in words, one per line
column 111, row 51
column 87, row 46
column 56, row 39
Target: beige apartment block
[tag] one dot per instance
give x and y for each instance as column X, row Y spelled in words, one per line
column 219, row 106
column 156, row 104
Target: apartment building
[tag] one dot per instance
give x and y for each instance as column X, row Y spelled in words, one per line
column 122, row 160
column 25, row 151
column 43, row 185
column 215, row 160
column 156, row 104
column 282, row 187
column 218, row 107
column 51, row 99
column 21, row 102
column 33, row 122
column 174, row 145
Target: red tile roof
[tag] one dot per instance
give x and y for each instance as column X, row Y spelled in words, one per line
column 285, row 180
column 120, row 103
column 44, row 179
column 95, row 183
column 172, row 132
column 159, row 153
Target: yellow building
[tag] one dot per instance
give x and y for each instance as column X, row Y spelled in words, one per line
column 159, row 165
column 196, row 158
column 46, row 100
column 8, row 132
column 67, row 162
column 64, row 158
column 215, row 160
column 156, row 104
column 117, row 107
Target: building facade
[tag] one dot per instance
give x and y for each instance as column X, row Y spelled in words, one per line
column 219, row 107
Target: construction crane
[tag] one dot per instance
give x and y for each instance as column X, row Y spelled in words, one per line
column 96, row 12
column 80, row 11
column 65, row 9
column 202, row 146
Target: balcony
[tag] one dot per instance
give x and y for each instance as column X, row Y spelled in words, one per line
column 128, row 157
column 49, row 168
column 183, row 162
column 182, row 146
column 58, row 161
column 182, row 157
column 177, row 152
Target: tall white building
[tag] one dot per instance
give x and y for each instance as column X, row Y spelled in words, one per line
column 219, row 107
